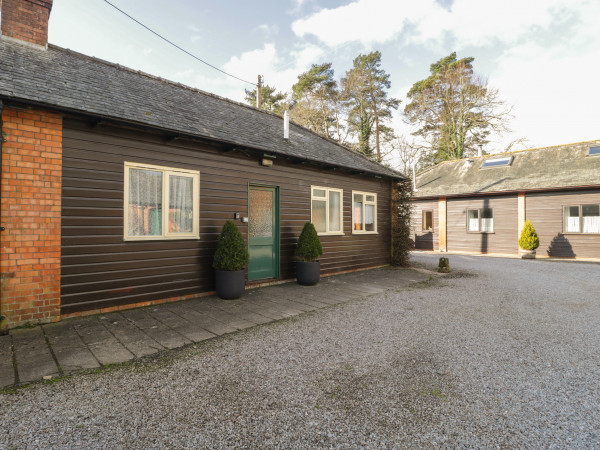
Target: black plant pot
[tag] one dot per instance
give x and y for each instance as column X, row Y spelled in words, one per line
column 308, row 273
column 230, row 283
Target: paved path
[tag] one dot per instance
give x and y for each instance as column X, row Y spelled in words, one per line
column 63, row 348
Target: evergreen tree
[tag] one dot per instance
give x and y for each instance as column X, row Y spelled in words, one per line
column 455, row 110
column 270, row 100
column 366, row 87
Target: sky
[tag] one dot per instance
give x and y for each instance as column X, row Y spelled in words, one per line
column 543, row 56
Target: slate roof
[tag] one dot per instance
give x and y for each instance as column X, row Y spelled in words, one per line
column 74, row 82
column 562, row 166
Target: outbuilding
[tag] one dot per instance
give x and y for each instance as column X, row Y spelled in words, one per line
column 480, row 205
column 116, row 184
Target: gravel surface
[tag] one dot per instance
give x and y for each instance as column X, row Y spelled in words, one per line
column 500, row 353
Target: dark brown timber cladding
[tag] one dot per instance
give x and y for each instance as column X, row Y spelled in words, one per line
column 545, row 210
column 425, row 240
column 100, row 270
column 505, row 237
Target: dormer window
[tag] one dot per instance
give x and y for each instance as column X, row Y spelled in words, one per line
column 594, row 151
column 497, row 162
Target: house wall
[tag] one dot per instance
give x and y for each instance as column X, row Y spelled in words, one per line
column 502, row 240
column 545, row 211
column 425, row 240
column 31, row 207
column 102, row 272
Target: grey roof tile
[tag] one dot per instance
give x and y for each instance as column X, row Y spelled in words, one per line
column 563, row 166
column 75, row 82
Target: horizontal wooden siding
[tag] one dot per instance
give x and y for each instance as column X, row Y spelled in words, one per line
column 545, row 210
column 504, row 239
column 425, row 240
column 100, row 270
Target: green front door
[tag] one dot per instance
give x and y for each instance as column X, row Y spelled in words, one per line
column 263, row 232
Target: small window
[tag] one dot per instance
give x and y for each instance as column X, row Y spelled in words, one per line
column 473, row 220
column 593, row 151
column 480, row 220
column 582, row 219
column 160, row 203
column 364, row 212
column 327, row 210
column 497, row 162
column 427, row 220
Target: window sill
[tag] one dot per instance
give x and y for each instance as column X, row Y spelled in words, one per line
column 481, row 232
column 160, row 238
column 579, row 233
column 365, row 232
column 337, row 233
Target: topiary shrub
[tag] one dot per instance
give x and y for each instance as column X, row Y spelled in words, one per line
column 232, row 253
column 309, row 245
column 529, row 239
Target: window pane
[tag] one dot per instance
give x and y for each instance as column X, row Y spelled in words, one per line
column 591, row 218
column 572, row 219
column 319, row 193
column 334, row 211
column 181, row 210
column 369, row 217
column 370, row 198
column 427, row 220
column 357, row 213
column 318, row 215
column 261, row 214
column 144, row 215
column 473, row 220
column 487, row 220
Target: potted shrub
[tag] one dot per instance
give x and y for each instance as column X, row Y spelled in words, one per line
column 231, row 260
column 308, row 249
column 528, row 241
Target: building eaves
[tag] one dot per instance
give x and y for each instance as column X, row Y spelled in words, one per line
column 74, row 82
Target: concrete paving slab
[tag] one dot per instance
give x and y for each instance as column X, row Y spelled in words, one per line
column 101, row 342
column 158, row 331
column 34, row 360
column 134, row 339
column 7, row 370
column 245, row 313
column 191, row 331
column 229, row 319
column 70, row 351
column 197, row 312
column 207, row 327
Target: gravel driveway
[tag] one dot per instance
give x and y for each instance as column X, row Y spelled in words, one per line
column 502, row 353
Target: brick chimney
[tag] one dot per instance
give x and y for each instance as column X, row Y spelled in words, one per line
column 25, row 20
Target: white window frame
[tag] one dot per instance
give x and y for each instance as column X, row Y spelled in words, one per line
column 580, row 217
column 365, row 202
column 326, row 200
column 479, row 219
column 166, row 171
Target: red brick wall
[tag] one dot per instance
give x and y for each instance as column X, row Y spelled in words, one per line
column 26, row 20
column 31, row 214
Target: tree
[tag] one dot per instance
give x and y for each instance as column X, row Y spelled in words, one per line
column 455, row 110
column 313, row 97
column 270, row 100
column 365, row 86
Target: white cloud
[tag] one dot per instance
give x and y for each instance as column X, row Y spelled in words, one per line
column 268, row 30
column 469, row 22
column 555, row 95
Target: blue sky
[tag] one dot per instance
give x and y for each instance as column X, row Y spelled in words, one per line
column 542, row 55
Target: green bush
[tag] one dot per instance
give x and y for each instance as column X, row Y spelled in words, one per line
column 529, row 239
column 231, row 253
column 309, row 245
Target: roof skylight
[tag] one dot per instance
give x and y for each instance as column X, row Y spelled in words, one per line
column 497, row 162
column 594, row 151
